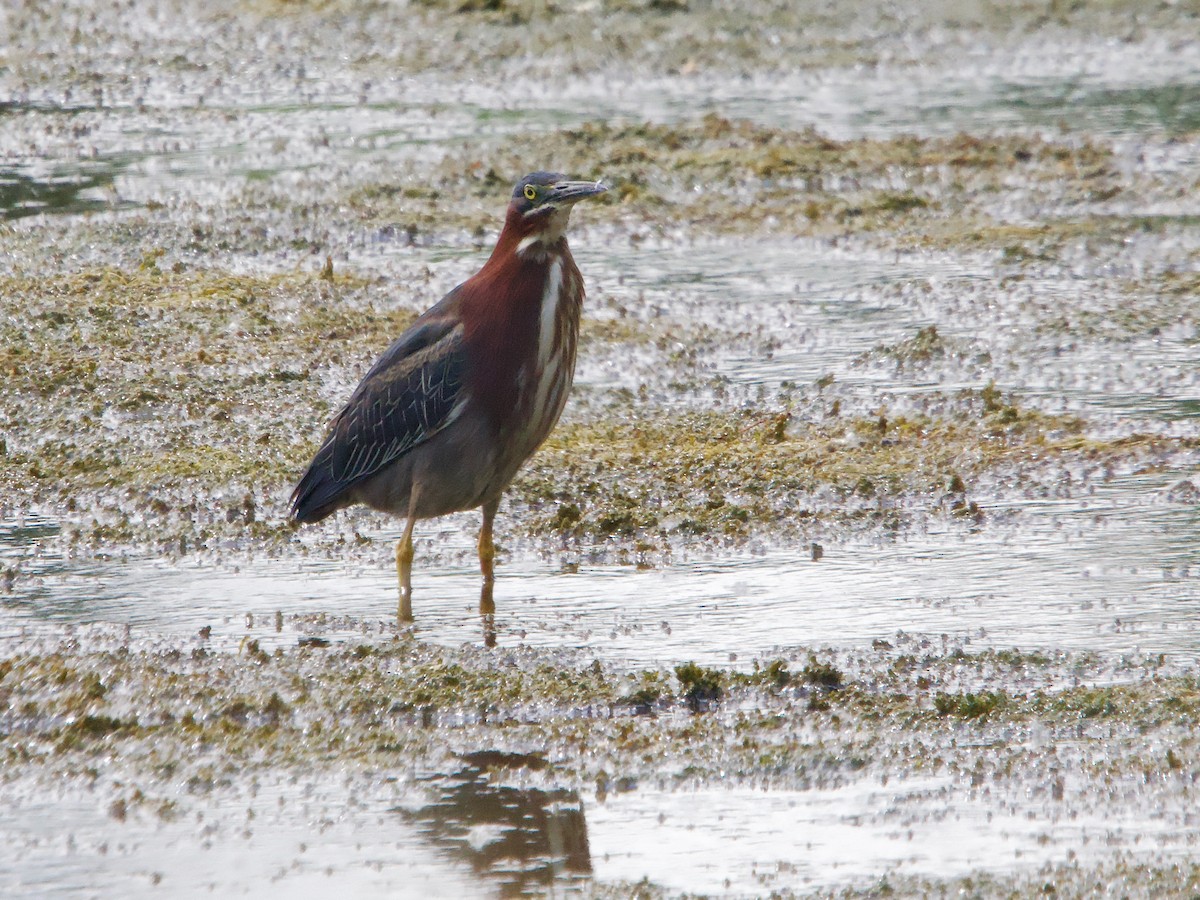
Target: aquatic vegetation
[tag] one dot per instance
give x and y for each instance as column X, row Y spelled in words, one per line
column 968, row 706
column 700, row 686
column 734, row 176
column 722, row 473
column 197, row 719
column 231, row 416
column 821, row 674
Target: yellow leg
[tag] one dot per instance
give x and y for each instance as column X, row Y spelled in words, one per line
column 404, row 559
column 487, row 550
column 487, row 568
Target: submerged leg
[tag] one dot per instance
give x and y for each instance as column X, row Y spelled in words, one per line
column 487, row 550
column 404, row 559
column 487, row 567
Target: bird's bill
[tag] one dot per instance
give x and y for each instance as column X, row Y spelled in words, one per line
column 565, row 192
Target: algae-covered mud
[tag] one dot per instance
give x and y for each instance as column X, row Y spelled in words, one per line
column 863, row 563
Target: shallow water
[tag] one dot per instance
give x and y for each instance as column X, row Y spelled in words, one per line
column 371, row 838
column 763, row 840
column 1116, row 573
column 824, row 307
column 166, row 140
column 305, row 836
column 472, row 833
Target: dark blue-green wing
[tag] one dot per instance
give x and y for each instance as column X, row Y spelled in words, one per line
column 413, row 392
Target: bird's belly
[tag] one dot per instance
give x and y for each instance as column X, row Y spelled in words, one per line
column 455, row 470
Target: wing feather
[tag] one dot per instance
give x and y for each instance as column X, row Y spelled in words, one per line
column 413, row 392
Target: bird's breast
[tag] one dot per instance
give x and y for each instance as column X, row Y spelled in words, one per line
column 558, row 324
column 550, row 341
column 546, row 378
column 523, row 323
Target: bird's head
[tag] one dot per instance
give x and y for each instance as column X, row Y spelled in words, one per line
column 541, row 205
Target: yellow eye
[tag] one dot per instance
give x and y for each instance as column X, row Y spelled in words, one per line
column 530, row 192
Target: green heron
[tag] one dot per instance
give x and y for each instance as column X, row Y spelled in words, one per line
column 453, row 408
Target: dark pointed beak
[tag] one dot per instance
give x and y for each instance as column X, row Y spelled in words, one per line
column 567, row 192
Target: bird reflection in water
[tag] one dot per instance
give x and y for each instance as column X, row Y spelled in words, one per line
column 522, row 836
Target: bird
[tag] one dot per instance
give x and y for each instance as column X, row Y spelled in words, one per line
column 446, row 417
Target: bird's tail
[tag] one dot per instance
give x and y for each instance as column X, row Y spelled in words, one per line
column 317, row 496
